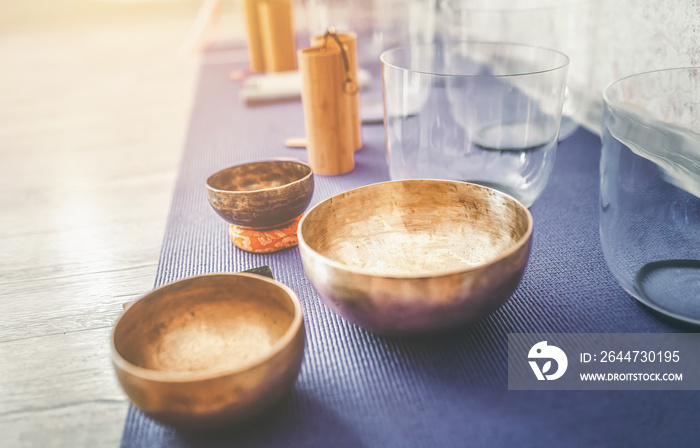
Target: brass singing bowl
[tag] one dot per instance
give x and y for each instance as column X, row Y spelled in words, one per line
column 211, row 350
column 261, row 195
column 415, row 255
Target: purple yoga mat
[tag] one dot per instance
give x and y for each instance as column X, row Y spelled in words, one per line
column 360, row 390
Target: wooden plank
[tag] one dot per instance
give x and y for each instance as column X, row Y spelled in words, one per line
column 88, row 424
column 60, row 390
column 71, row 304
column 94, row 112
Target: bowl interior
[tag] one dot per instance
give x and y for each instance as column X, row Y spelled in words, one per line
column 416, row 227
column 205, row 325
column 258, row 175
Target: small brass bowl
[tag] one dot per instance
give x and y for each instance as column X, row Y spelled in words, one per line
column 413, row 256
column 210, row 350
column 261, row 195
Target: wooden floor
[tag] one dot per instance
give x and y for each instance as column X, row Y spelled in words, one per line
column 94, row 104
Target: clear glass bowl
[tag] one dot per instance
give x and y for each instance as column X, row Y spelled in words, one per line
column 650, row 189
column 564, row 25
column 483, row 112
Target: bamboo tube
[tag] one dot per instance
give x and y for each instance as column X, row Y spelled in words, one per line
column 277, row 35
column 252, row 24
column 349, row 41
column 328, row 122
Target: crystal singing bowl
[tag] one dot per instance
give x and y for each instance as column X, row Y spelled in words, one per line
column 210, row 350
column 415, row 255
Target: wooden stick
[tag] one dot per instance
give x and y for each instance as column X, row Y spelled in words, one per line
column 252, row 22
column 196, row 35
column 329, row 126
column 277, row 35
column 349, row 41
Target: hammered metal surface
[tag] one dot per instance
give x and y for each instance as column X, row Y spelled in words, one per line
column 209, row 350
column 261, row 195
column 416, row 255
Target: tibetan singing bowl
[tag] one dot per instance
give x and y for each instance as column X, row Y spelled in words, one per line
column 210, row 350
column 415, row 255
column 261, row 195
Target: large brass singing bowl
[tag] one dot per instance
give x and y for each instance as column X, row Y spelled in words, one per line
column 415, row 255
column 210, row 350
column 261, row 195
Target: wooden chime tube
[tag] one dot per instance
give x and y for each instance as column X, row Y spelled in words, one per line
column 329, row 126
column 349, row 41
column 277, row 35
column 255, row 49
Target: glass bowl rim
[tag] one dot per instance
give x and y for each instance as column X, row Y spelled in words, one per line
column 555, row 67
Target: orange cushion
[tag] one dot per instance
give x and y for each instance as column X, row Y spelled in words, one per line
column 265, row 241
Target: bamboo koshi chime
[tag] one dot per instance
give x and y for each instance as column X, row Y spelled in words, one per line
column 328, row 90
column 270, row 35
column 349, row 41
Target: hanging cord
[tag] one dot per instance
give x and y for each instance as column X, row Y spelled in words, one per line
column 349, row 85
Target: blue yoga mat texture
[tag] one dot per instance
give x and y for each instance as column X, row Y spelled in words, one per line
column 360, row 390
